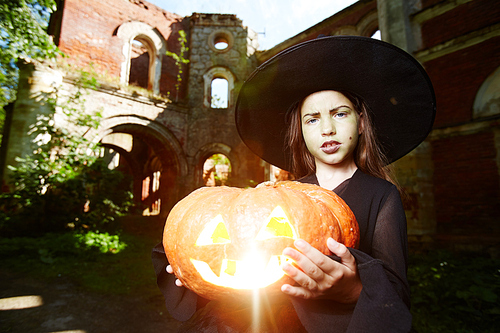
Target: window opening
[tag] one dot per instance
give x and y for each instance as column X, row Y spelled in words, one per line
column 216, row 170
column 151, row 188
column 113, row 158
column 221, row 44
column 220, row 40
column 376, row 35
column 220, row 93
column 487, row 101
column 139, row 65
column 145, row 188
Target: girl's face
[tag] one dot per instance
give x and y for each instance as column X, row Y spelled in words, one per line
column 330, row 127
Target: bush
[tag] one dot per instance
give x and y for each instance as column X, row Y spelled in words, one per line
column 454, row 293
column 63, row 183
column 92, row 199
column 52, row 246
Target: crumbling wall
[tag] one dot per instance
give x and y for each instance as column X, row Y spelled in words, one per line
column 89, row 35
column 212, row 130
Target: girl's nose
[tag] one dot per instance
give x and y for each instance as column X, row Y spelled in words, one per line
column 327, row 128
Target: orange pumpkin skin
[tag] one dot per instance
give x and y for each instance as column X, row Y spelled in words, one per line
column 313, row 212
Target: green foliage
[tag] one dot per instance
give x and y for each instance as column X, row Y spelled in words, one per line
column 53, row 247
column 64, row 184
column 23, row 34
column 220, row 159
column 125, row 270
column 221, row 176
column 217, row 102
column 452, row 293
column 180, row 60
column 104, row 242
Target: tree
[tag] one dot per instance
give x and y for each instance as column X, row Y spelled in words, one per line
column 64, row 184
column 23, row 34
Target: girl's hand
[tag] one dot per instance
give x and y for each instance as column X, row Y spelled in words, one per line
column 318, row 276
column 171, row 271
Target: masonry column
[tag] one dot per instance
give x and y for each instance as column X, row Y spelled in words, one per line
column 221, row 48
column 395, row 24
column 36, row 82
column 414, row 171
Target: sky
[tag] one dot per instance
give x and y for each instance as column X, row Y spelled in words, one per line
column 274, row 20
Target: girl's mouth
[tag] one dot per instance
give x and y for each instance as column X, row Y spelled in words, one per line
column 330, row 147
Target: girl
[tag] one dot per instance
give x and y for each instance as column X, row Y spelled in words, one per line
column 335, row 111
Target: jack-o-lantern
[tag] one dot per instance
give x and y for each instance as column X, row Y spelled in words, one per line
column 225, row 241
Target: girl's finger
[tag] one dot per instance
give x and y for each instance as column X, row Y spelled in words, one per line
column 304, row 264
column 316, row 262
column 302, row 279
column 296, row 291
column 341, row 251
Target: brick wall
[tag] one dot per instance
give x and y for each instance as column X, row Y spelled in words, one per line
column 464, row 150
column 88, row 35
column 457, row 78
column 462, row 19
column 466, row 181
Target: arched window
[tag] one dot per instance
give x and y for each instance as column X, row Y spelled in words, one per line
column 140, row 62
column 219, row 85
column 219, row 93
column 151, row 188
column 143, row 46
column 487, row 102
column 216, row 170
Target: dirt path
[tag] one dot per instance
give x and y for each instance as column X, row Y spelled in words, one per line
column 65, row 308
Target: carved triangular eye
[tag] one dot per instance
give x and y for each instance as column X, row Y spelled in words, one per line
column 278, row 225
column 215, row 232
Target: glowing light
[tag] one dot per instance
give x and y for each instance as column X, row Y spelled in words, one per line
column 215, row 232
column 278, row 225
column 255, row 310
column 249, row 273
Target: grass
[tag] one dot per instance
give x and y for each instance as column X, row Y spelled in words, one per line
column 127, row 272
column 450, row 292
column 454, row 292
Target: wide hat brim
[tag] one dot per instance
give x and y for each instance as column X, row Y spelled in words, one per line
column 395, row 86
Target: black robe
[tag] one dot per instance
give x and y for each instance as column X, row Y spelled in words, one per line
column 383, row 305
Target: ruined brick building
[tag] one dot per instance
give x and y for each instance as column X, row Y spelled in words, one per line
column 164, row 132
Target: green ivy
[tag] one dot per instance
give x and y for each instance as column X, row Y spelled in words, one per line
column 23, row 35
column 180, row 60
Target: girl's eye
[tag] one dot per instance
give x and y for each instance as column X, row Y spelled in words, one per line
column 311, row 121
column 341, row 114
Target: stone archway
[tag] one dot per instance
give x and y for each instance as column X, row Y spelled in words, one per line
column 208, row 150
column 154, row 157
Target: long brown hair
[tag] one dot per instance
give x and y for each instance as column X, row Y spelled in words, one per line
column 368, row 156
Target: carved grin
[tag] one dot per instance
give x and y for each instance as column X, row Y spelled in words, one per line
column 251, row 273
column 254, row 270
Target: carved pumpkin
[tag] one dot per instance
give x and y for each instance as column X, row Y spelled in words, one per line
column 225, row 241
